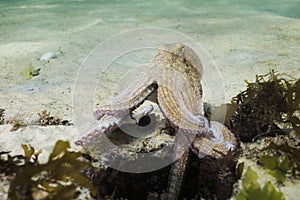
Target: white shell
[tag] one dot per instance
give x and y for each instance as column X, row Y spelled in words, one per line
column 48, row 56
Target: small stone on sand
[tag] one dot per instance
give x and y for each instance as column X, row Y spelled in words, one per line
column 48, row 56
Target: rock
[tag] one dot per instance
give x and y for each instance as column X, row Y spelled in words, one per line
column 36, row 71
column 48, row 56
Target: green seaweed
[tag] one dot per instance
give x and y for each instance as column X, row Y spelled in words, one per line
column 278, row 167
column 252, row 190
column 270, row 106
column 30, row 71
column 291, row 157
column 56, row 179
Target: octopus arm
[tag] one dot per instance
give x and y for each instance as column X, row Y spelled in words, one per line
column 218, row 144
column 177, row 173
column 131, row 96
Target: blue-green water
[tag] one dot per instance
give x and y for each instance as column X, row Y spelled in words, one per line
column 242, row 37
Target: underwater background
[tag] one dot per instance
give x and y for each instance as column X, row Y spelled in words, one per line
column 244, row 38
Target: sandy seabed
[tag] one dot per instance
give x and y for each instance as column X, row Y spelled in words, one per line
column 243, row 39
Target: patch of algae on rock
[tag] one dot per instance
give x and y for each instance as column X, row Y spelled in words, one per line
column 252, row 190
column 270, row 106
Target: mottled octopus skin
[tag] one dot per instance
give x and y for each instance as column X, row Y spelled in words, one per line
column 175, row 75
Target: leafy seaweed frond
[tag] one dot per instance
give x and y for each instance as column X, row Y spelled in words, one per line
column 252, row 190
column 291, row 159
column 31, row 71
column 56, row 179
column 278, row 168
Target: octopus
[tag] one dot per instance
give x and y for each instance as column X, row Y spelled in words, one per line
column 173, row 80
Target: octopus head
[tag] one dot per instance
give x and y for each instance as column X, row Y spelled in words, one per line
column 184, row 52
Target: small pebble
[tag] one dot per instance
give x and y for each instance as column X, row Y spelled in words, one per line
column 36, row 71
column 47, row 56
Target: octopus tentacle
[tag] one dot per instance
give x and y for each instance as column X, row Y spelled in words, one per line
column 134, row 92
column 176, row 177
column 179, row 116
column 177, row 172
column 108, row 124
column 215, row 142
column 117, row 108
column 223, row 140
column 98, row 114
